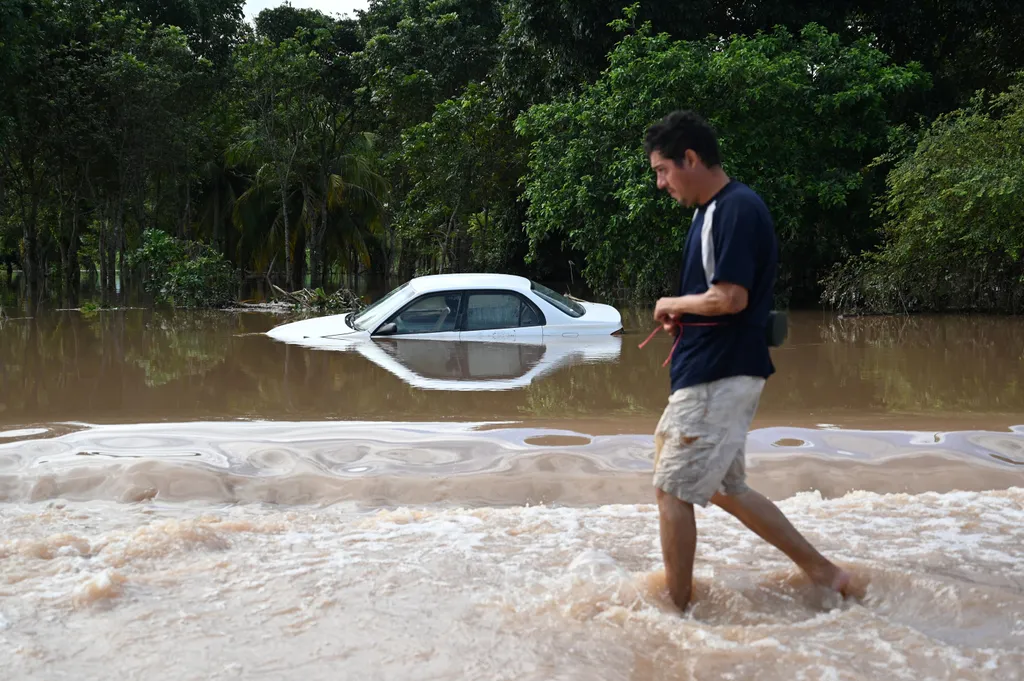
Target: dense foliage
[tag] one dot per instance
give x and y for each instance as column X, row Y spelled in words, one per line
column 954, row 219
column 184, row 273
column 799, row 118
column 504, row 135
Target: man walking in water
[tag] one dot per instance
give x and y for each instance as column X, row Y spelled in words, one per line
column 720, row 364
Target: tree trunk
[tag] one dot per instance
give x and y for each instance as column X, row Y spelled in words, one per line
column 72, row 276
column 218, row 228
column 317, row 255
column 28, row 261
column 180, row 221
column 73, row 281
column 188, row 209
column 389, row 255
column 122, row 247
column 101, row 256
column 354, row 279
column 287, row 232
column 323, row 268
column 299, row 269
column 31, row 262
column 406, row 261
column 63, row 248
column 112, row 239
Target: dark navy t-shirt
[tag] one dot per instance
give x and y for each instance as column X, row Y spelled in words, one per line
column 732, row 239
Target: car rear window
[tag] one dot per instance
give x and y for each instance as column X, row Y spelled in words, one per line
column 569, row 307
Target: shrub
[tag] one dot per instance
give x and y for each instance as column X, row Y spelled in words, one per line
column 184, row 273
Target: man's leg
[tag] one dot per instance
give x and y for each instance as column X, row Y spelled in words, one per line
column 768, row 522
column 678, row 545
column 689, row 464
column 734, row 407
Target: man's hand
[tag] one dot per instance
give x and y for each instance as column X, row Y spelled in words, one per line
column 667, row 312
column 721, row 299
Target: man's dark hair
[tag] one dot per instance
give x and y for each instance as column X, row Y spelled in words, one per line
column 682, row 130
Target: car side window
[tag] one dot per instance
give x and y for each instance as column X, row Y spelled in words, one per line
column 529, row 315
column 431, row 314
column 499, row 310
column 492, row 311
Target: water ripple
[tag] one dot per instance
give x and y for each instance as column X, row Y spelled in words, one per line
column 323, row 462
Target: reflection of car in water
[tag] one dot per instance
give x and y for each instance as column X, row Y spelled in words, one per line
column 466, row 307
column 462, row 365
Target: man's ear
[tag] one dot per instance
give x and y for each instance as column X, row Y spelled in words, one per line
column 692, row 158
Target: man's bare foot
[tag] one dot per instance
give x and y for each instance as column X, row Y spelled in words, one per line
column 839, row 580
column 841, row 583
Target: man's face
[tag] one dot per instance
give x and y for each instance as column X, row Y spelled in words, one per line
column 678, row 179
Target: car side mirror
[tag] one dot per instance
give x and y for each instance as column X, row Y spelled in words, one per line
column 388, row 329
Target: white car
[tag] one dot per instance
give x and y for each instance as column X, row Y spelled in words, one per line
column 460, row 307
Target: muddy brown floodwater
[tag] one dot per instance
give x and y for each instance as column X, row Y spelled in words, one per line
column 183, row 498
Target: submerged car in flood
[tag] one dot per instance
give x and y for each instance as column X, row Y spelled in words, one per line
column 460, row 307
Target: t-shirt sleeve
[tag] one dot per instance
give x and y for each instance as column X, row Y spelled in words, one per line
column 734, row 234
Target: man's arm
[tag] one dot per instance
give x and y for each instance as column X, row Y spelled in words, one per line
column 729, row 269
column 721, row 299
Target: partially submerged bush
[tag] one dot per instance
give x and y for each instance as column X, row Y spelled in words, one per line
column 878, row 283
column 184, row 273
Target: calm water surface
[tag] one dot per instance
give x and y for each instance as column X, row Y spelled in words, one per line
column 141, row 366
column 183, row 498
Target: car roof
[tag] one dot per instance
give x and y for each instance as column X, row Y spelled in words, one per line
column 443, row 282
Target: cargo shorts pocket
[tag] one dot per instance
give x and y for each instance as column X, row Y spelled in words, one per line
column 690, row 464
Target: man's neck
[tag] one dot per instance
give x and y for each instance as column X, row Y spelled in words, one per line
column 717, row 179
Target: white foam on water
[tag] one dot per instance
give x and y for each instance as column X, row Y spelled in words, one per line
column 23, row 432
column 509, row 593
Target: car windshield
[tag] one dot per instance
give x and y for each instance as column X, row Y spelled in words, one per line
column 374, row 314
column 569, row 307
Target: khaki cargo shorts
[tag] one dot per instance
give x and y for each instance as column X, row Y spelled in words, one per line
column 700, row 442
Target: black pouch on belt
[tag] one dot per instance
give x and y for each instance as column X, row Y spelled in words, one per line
column 777, row 329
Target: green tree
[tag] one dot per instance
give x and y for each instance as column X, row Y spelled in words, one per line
column 141, row 75
column 275, row 81
column 97, row 117
column 420, row 53
column 964, row 44
column 954, row 219
column 799, row 118
column 549, row 46
column 314, row 171
column 213, row 28
column 461, row 209
column 277, row 24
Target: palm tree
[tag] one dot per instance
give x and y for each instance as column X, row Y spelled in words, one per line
column 349, row 195
column 334, row 202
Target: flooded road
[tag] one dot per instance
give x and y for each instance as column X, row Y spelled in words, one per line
column 183, row 498
column 141, row 366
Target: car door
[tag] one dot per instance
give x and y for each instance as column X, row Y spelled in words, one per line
column 500, row 316
column 433, row 315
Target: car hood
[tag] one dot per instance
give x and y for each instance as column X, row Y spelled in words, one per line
column 311, row 329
